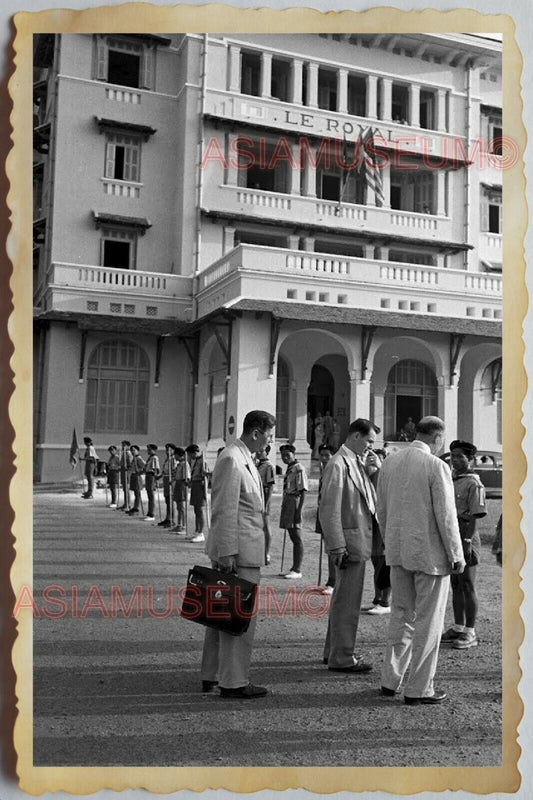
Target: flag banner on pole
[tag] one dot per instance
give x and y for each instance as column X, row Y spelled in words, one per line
column 371, row 168
column 74, row 450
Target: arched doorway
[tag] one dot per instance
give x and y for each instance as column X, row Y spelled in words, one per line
column 321, row 391
column 282, row 399
column 411, row 392
column 491, row 396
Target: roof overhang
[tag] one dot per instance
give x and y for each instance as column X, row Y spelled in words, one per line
column 105, row 124
column 375, row 236
column 140, row 224
column 334, row 315
column 112, row 324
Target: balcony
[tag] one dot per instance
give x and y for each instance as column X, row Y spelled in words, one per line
column 317, row 122
column 83, row 288
column 255, row 272
column 490, row 247
column 261, row 205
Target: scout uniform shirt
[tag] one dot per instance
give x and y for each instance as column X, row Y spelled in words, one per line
column 294, row 483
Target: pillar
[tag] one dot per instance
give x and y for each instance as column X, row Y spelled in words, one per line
column 308, row 244
column 359, row 397
column 295, row 172
column 414, row 105
column 228, row 239
column 441, row 192
column 234, row 72
column 447, row 396
column 293, row 242
column 441, row 109
column 371, row 96
column 232, row 172
column 342, row 91
column 309, row 173
column 297, row 74
column 312, row 85
column 266, row 75
column 385, row 175
column 386, row 99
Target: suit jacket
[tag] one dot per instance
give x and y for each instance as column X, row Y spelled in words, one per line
column 237, row 508
column 416, row 509
column 344, row 514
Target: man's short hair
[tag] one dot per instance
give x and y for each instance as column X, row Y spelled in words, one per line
column 125, row 443
column 192, row 448
column 467, row 448
column 260, row 420
column 135, row 447
column 151, row 446
column 327, row 447
column 287, row 448
column 111, row 448
column 363, row 426
column 429, row 426
column 179, row 451
column 170, row 445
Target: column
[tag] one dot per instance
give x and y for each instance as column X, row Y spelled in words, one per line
column 382, row 253
column 232, row 172
column 312, row 85
column 440, row 260
column 441, row 109
column 266, row 75
column 371, row 96
column 293, row 242
column 447, row 397
column 228, row 239
column 385, row 175
column 234, row 72
column 295, row 172
column 414, row 105
column 342, row 91
column 359, row 397
column 297, row 74
column 379, row 409
column 368, row 250
column 308, row 244
column 441, row 192
column 386, row 99
column 309, row 172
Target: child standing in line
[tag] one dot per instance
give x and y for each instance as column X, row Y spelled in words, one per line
column 152, row 471
column 266, row 472
column 113, row 472
column 137, row 469
column 198, row 483
column 295, row 486
column 91, row 458
column 325, row 452
column 470, row 503
column 182, row 478
column 169, row 474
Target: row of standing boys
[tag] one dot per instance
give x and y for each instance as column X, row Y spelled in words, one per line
column 183, row 469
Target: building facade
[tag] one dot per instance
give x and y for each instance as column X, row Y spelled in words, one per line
column 303, row 223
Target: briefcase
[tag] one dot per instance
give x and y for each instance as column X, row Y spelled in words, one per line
column 219, row 600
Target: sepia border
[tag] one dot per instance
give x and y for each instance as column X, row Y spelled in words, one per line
column 144, row 17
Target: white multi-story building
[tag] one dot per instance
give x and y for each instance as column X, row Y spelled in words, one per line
column 203, row 245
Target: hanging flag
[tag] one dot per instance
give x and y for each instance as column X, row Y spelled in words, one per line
column 74, row 449
column 371, row 168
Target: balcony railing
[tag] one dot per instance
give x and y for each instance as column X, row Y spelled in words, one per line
column 86, row 288
column 275, row 205
column 278, row 274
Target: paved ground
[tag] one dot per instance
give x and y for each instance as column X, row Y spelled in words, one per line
column 111, row 690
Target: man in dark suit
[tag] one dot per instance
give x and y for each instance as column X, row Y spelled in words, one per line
column 236, row 543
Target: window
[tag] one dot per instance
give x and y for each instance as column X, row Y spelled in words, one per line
column 250, row 73
column 118, row 376
column 356, row 95
column 491, row 210
column 123, row 158
column 125, row 62
column 400, row 103
column 427, row 109
column 327, row 90
column 280, row 80
column 118, row 248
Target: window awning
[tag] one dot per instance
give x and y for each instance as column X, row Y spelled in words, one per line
column 125, row 127
column 490, row 266
column 117, row 220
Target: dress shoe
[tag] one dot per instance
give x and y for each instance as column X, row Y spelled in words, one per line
column 164, row 524
column 209, row 686
column 433, row 699
column 386, row 692
column 359, row 666
column 244, row 692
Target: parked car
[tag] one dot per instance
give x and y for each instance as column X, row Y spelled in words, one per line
column 488, row 465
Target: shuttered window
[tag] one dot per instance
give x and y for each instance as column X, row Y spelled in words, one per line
column 124, row 62
column 123, row 158
column 118, row 377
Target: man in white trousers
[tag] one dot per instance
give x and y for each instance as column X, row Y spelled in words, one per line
column 236, row 543
column 418, row 521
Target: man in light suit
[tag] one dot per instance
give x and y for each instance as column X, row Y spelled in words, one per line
column 347, row 516
column 236, row 543
column 416, row 508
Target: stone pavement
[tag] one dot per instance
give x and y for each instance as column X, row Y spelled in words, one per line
column 119, row 686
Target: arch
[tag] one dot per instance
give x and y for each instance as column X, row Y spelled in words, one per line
column 395, row 349
column 411, row 393
column 477, row 412
column 118, row 379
